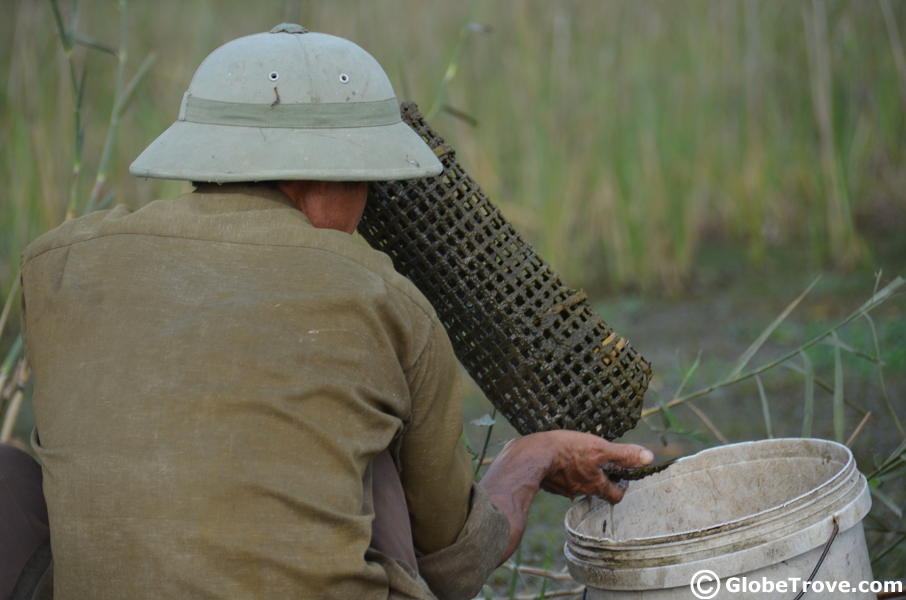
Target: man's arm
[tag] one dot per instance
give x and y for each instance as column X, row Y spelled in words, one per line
column 463, row 531
column 567, row 463
column 459, row 533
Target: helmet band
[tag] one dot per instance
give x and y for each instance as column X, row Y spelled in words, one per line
column 327, row 115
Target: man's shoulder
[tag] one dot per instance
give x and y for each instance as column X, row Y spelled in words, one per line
column 249, row 216
column 70, row 232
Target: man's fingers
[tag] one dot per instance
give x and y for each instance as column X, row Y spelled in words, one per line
column 630, row 455
column 580, row 459
column 609, row 490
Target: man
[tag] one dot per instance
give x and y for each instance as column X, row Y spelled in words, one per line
column 234, row 397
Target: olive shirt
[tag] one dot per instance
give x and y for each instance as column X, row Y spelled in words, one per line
column 213, row 378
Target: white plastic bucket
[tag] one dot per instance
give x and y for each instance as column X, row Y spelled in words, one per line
column 761, row 510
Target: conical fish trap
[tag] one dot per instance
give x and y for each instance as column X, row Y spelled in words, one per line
column 533, row 345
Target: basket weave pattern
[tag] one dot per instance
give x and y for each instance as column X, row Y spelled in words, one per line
column 533, row 345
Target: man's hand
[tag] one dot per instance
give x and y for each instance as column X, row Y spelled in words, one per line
column 568, row 463
column 579, row 462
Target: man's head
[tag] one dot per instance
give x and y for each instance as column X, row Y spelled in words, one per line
column 289, row 105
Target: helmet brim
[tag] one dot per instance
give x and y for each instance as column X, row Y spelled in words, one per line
column 224, row 153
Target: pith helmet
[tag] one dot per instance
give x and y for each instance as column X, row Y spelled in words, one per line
column 288, row 105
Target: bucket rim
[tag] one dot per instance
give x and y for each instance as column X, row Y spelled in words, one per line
column 640, row 576
column 833, row 482
column 798, row 525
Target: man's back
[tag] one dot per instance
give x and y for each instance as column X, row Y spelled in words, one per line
column 214, row 376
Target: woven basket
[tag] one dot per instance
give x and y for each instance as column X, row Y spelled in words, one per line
column 533, row 345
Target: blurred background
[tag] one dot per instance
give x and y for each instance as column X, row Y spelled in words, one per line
column 694, row 165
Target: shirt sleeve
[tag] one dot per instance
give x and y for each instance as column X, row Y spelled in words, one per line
column 459, row 534
column 460, row 570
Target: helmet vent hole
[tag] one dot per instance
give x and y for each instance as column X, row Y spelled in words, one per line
column 344, row 78
column 273, row 76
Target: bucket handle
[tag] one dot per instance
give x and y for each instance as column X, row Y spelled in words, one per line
column 820, row 560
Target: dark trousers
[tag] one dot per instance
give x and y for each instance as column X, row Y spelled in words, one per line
column 23, row 514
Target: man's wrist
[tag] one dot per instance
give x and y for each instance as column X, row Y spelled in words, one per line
column 531, row 455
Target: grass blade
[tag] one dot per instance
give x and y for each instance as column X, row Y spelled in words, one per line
column 838, row 392
column 760, row 340
column 11, row 414
column 8, row 304
column 849, row 349
column 61, row 28
column 133, row 84
column 765, row 409
column 11, row 357
column 880, row 297
column 886, row 501
column 688, row 375
column 808, row 407
column 460, row 114
column 670, row 421
column 890, row 466
column 897, row 455
column 892, row 473
column 707, row 422
column 492, row 419
column 890, row 409
column 888, row 549
column 90, row 42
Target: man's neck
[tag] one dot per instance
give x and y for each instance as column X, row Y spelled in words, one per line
column 328, row 204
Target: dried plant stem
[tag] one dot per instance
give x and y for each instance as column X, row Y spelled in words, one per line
column 858, row 430
column 487, row 441
column 526, row 570
column 708, row 423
